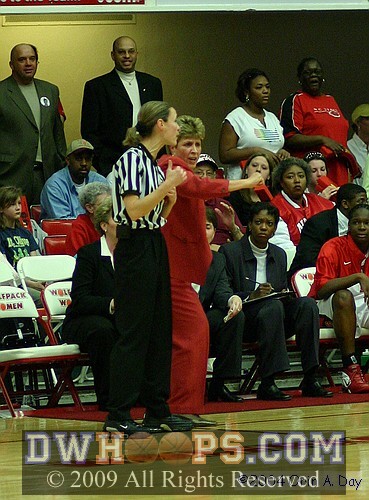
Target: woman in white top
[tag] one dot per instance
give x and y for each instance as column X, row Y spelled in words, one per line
column 250, row 128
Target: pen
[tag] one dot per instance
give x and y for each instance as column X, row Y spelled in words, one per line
column 256, row 282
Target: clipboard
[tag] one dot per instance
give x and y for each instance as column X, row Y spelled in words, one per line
column 273, row 295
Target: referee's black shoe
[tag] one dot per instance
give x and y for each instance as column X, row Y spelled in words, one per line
column 171, row 423
column 129, row 427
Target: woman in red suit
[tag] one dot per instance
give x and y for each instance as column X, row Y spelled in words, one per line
column 189, row 260
column 312, row 120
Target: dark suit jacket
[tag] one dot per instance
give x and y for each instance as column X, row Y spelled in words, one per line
column 241, row 262
column 19, row 135
column 216, row 291
column 92, row 284
column 316, row 231
column 107, row 114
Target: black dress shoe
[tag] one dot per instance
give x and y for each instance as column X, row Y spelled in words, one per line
column 199, row 421
column 223, row 394
column 313, row 389
column 272, row 393
column 171, row 423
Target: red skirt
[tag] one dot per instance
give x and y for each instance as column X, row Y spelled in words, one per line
column 190, row 350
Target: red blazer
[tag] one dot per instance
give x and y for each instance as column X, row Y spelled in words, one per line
column 188, row 249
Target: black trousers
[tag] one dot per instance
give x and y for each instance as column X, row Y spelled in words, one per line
column 38, row 180
column 95, row 335
column 140, row 361
column 226, row 343
column 271, row 322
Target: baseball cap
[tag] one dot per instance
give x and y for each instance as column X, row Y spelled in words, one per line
column 79, row 144
column 205, row 158
column 362, row 110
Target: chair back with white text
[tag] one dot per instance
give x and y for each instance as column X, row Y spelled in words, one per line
column 302, row 280
column 16, row 304
column 56, row 298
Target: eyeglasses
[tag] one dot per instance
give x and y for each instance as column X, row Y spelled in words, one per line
column 204, row 173
column 314, row 155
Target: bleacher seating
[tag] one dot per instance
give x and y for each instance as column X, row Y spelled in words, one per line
column 56, row 226
column 55, row 244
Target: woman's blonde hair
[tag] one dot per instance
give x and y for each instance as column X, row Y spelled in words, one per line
column 148, row 116
column 246, row 193
column 190, row 126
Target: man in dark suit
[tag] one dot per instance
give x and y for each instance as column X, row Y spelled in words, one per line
column 226, row 321
column 326, row 225
column 111, row 103
column 32, row 141
column 256, row 269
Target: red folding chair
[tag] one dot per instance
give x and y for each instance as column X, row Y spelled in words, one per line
column 35, row 211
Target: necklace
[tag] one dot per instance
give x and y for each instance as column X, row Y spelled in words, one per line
column 129, row 80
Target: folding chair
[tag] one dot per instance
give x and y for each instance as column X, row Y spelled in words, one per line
column 35, row 211
column 8, row 275
column 46, row 268
column 16, row 303
column 252, row 374
column 56, row 298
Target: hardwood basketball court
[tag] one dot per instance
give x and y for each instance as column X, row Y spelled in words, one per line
column 353, row 418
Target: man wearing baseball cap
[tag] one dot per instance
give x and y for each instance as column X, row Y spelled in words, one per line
column 229, row 226
column 359, row 143
column 59, row 196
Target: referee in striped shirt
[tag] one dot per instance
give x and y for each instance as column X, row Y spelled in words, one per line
column 142, row 200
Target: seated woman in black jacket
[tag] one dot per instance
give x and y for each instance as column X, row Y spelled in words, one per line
column 89, row 320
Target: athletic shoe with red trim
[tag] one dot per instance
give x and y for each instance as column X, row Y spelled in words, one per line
column 353, row 380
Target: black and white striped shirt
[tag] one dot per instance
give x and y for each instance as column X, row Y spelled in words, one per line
column 136, row 173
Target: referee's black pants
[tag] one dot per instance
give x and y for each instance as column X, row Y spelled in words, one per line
column 140, row 361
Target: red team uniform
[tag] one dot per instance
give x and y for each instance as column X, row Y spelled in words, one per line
column 338, row 258
column 295, row 216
